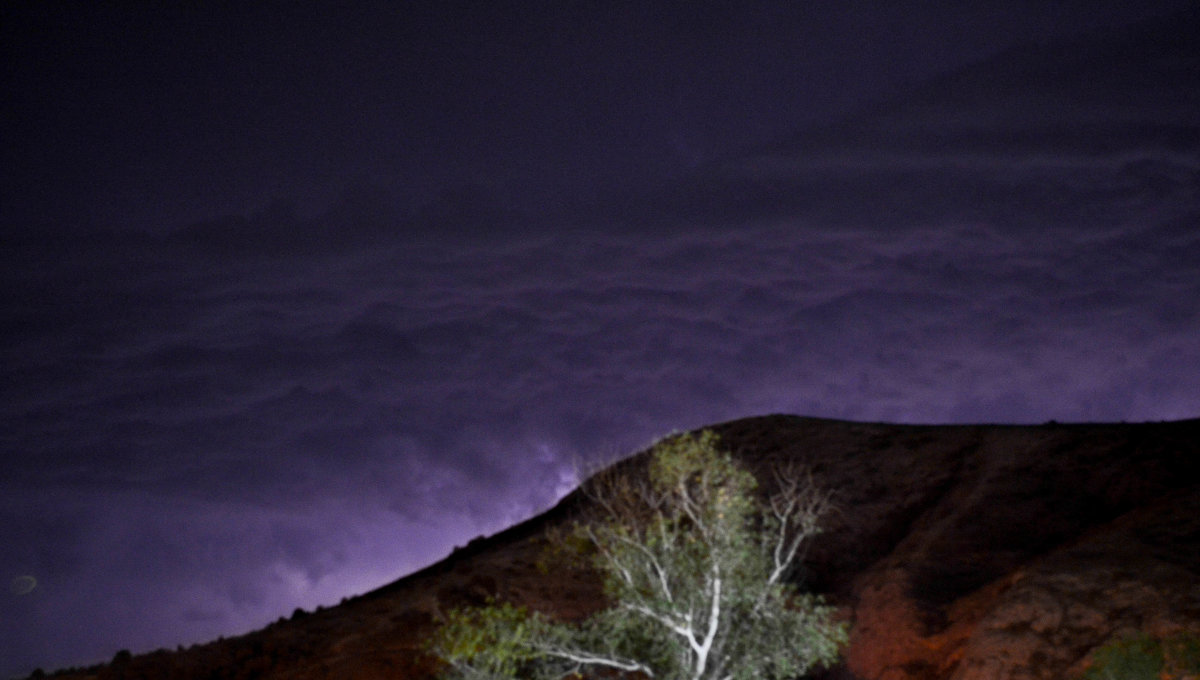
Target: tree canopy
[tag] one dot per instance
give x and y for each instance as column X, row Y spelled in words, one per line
column 696, row 564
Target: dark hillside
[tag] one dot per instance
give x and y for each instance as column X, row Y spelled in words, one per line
column 957, row 551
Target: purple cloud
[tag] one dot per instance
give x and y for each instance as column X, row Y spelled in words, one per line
column 206, row 429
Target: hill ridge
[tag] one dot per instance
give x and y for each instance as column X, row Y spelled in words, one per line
column 957, row 551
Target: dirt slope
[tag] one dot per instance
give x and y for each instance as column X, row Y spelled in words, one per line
column 958, row 552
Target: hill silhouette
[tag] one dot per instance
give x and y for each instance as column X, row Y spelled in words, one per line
column 965, row 551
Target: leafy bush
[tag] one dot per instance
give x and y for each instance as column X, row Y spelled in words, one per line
column 1143, row 657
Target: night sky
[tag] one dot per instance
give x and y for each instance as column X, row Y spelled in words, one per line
column 296, row 300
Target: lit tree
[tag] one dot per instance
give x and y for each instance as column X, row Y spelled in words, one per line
column 696, row 566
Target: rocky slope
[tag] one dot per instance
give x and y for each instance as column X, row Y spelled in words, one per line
column 958, row 552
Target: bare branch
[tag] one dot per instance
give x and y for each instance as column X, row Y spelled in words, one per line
column 796, row 508
column 584, row 658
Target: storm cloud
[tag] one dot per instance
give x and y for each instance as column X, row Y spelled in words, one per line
column 272, row 432
column 207, row 426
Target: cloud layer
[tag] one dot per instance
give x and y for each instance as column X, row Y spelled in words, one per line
column 207, row 442
column 204, row 430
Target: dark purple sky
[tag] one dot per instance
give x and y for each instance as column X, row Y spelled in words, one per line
column 297, row 300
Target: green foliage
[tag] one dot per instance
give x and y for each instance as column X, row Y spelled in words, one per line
column 1138, row 658
column 1143, row 657
column 1182, row 654
column 495, row 640
column 695, row 566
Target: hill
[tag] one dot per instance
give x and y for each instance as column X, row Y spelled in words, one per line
column 958, row 552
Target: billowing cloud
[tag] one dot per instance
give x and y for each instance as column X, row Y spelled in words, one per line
column 205, row 430
column 273, row 432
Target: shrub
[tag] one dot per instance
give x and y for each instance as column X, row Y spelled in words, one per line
column 1143, row 657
